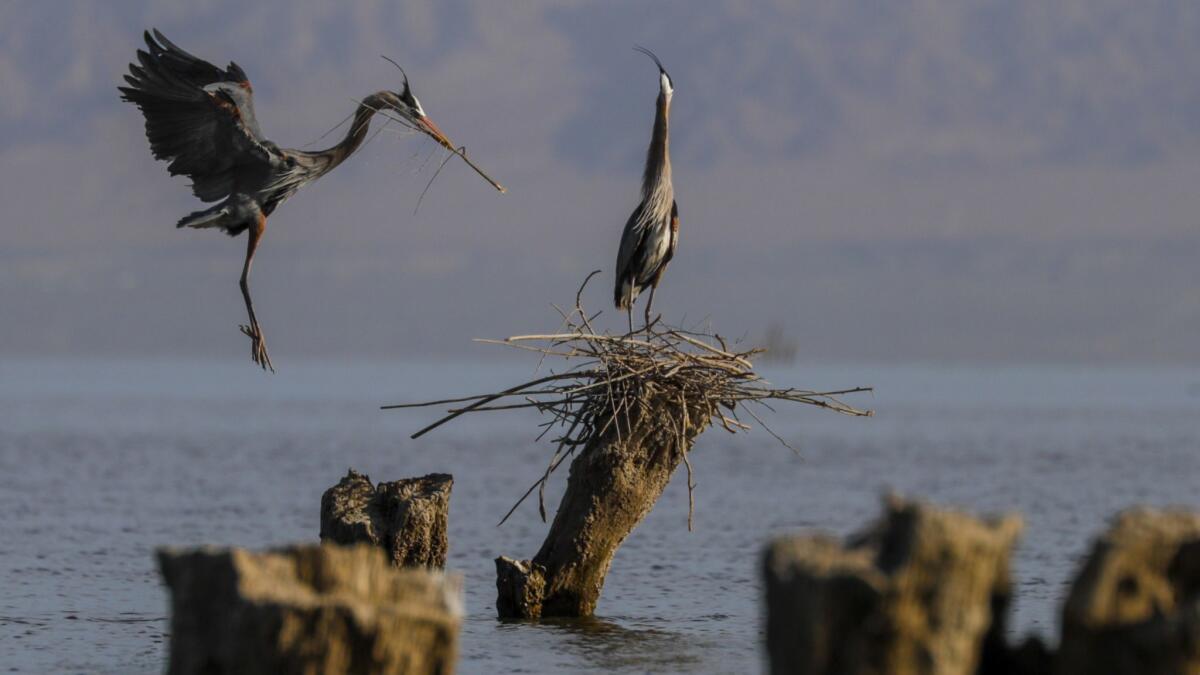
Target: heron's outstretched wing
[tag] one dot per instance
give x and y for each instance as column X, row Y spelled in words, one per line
column 198, row 117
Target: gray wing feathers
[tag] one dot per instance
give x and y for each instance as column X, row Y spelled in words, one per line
column 631, row 240
column 645, row 247
column 198, row 117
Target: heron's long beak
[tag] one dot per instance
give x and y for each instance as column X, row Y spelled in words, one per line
column 432, row 129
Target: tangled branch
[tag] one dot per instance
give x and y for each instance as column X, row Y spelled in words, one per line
column 688, row 380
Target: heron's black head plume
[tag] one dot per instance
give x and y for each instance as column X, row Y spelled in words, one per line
column 647, row 52
column 661, row 70
column 406, row 90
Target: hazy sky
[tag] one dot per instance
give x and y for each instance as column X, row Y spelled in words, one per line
column 911, row 180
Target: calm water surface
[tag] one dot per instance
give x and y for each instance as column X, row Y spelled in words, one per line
column 101, row 462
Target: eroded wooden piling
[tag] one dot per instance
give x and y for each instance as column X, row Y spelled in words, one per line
column 331, row 610
column 921, row 592
column 613, row 484
column 406, row 518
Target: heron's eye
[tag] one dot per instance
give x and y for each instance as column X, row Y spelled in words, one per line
column 409, row 99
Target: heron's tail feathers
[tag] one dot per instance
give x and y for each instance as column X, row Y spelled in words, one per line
column 625, row 294
column 207, row 218
column 217, row 216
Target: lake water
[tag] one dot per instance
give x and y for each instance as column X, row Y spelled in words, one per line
column 101, row 462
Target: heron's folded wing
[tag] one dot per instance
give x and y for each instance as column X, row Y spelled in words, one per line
column 654, row 247
column 198, row 117
column 631, row 240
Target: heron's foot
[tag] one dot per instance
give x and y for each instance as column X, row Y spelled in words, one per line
column 258, row 346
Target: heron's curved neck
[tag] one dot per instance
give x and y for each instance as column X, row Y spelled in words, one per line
column 658, row 158
column 357, row 132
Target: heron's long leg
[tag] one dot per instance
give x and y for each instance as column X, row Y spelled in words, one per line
column 258, row 346
column 629, row 314
column 650, row 303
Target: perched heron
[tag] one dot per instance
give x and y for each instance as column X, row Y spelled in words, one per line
column 201, row 119
column 652, row 232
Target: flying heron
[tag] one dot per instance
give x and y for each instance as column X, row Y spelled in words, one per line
column 201, row 119
column 652, row 232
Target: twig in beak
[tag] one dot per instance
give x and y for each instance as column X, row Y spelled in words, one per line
column 441, row 138
column 462, row 152
column 425, row 162
column 430, row 183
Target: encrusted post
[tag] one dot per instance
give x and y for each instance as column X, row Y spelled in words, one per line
column 922, row 592
column 407, row 518
column 628, row 407
column 312, row 609
column 1134, row 608
column 614, row 482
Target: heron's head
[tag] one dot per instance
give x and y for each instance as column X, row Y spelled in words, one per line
column 666, row 87
column 406, row 105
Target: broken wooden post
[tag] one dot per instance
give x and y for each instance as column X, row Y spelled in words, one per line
column 309, row 609
column 1134, row 608
column 407, row 518
column 919, row 593
column 629, row 407
column 613, row 484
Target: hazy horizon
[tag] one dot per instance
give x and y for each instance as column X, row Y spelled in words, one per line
column 957, row 182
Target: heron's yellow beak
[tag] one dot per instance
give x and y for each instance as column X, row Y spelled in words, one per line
column 433, row 130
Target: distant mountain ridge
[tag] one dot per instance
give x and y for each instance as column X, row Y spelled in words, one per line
column 973, row 82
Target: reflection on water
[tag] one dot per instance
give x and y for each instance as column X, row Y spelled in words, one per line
column 608, row 646
column 102, row 462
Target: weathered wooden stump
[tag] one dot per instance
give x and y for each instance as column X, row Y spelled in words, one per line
column 310, row 610
column 1135, row 606
column 407, row 518
column 614, row 482
column 631, row 406
column 923, row 591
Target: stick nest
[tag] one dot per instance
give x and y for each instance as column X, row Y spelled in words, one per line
column 686, row 379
